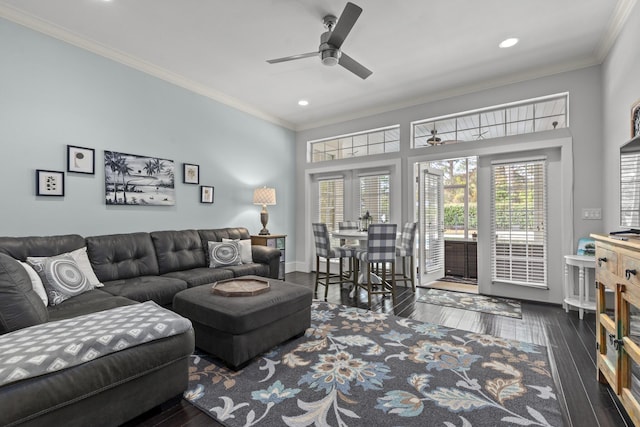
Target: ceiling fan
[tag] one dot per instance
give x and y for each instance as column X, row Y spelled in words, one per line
column 331, row 42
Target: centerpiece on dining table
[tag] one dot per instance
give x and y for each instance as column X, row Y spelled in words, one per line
column 365, row 221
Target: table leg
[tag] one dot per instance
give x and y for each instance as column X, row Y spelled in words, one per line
column 567, row 294
column 581, row 291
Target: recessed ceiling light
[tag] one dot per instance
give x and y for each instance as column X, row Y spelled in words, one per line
column 303, row 102
column 508, row 42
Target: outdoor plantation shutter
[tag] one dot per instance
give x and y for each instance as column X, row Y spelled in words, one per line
column 374, row 197
column 331, row 203
column 518, row 222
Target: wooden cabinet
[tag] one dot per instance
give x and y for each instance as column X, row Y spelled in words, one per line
column 274, row 241
column 618, row 318
column 460, row 258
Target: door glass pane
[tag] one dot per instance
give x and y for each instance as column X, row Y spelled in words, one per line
column 634, row 322
column 635, row 379
column 611, row 353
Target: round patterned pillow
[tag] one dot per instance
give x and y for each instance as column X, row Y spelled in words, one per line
column 61, row 277
column 223, row 254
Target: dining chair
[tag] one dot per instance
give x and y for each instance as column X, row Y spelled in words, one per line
column 324, row 250
column 349, row 226
column 405, row 252
column 381, row 249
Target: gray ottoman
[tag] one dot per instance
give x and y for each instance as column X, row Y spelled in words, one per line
column 236, row 329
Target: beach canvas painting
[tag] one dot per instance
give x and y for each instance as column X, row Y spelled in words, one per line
column 138, row 180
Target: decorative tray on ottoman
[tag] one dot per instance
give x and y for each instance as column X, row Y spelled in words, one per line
column 240, row 287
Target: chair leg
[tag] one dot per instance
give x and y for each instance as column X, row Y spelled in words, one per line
column 413, row 273
column 369, row 286
column 326, row 283
column 393, row 283
column 315, row 292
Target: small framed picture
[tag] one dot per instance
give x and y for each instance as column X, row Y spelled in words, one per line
column 191, row 173
column 81, row 160
column 206, row 194
column 49, row 183
column 635, row 119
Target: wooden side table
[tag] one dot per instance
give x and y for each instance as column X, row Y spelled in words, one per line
column 277, row 241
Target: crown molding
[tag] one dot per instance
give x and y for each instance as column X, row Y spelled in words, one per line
column 60, row 33
column 618, row 19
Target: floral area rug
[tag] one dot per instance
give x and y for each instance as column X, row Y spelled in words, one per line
column 354, row 367
column 486, row 304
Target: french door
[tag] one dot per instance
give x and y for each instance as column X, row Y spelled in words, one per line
column 431, row 224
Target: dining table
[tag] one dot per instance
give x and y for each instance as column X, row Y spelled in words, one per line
column 361, row 237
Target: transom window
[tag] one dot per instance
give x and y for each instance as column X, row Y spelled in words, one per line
column 366, row 143
column 533, row 115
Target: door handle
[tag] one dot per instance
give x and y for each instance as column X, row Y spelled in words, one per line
column 601, row 260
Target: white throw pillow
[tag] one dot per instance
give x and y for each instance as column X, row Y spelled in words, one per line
column 245, row 249
column 36, row 283
column 224, row 254
column 82, row 259
column 61, row 276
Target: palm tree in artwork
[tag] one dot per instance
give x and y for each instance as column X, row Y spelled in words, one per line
column 112, row 160
column 124, row 170
column 150, row 167
column 158, row 165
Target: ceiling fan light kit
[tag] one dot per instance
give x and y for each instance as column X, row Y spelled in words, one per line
column 331, row 41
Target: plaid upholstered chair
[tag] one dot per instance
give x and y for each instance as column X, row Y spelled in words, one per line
column 381, row 249
column 324, row 250
column 348, row 226
column 405, row 252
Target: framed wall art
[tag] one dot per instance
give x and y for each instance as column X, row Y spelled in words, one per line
column 81, row 160
column 49, row 183
column 206, row 194
column 130, row 179
column 190, row 173
column 635, row 119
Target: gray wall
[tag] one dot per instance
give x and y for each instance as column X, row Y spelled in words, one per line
column 621, row 88
column 53, row 94
column 585, row 117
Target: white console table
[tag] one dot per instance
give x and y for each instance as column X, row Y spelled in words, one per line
column 581, row 300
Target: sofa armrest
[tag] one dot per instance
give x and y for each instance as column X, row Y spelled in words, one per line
column 269, row 256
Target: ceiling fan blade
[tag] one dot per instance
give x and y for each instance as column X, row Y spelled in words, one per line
column 354, row 66
column 345, row 23
column 291, row 58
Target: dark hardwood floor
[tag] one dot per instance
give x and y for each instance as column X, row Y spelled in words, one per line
column 570, row 343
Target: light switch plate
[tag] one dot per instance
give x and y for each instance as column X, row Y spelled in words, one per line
column 591, row 213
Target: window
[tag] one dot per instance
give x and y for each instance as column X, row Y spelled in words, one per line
column 331, row 202
column 374, row 197
column 533, row 115
column 518, row 222
column 460, row 196
column 377, row 141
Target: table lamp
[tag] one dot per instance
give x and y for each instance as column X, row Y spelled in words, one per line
column 264, row 196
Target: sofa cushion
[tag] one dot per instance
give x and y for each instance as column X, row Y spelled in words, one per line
column 61, row 277
column 178, row 250
column 22, row 247
column 223, row 253
column 36, row 283
column 248, row 269
column 122, row 256
column 88, row 302
column 20, row 306
column 201, row 276
column 160, row 289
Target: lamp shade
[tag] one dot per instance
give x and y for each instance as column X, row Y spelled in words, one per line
column 264, row 196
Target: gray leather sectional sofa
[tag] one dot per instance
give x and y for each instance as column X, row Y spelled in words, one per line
column 135, row 267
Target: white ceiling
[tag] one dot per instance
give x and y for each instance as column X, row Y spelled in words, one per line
column 418, row 50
